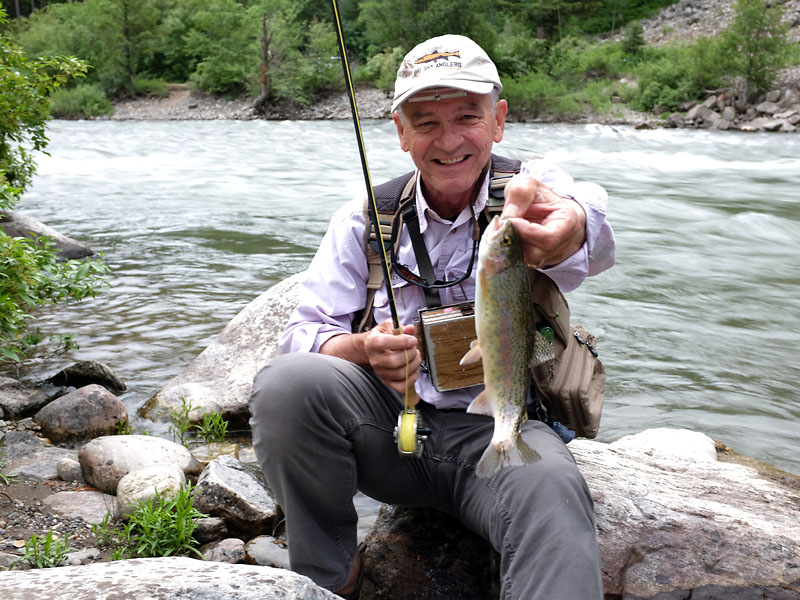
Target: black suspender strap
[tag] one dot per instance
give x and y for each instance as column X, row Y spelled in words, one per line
column 409, row 210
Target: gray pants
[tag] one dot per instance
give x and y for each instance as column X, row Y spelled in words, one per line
column 322, row 429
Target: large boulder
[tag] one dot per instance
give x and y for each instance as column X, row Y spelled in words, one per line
column 161, row 579
column 673, row 521
column 221, row 377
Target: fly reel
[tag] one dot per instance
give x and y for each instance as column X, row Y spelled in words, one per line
column 410, row 435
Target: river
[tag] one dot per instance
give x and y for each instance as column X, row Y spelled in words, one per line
column 698, row 322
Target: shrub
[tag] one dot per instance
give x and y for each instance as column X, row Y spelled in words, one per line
column 83, row 100
column 381, row 69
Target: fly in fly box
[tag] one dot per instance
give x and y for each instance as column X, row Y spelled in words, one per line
column 445, row 334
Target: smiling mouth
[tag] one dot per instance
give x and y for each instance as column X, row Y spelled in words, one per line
column 451, row 161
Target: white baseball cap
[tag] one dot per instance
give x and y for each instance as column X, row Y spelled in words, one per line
column 447, row 61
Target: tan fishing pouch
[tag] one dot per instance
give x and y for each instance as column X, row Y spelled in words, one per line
column 572, row 385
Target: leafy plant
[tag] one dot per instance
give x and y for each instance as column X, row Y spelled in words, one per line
column 181, row 423
column 45, row 553
column 213, row 428
column 162, row 526
column 84, row 100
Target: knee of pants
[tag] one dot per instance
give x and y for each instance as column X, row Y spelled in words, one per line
column 287, row 392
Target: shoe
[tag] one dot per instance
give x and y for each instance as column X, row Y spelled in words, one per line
column 358, row 566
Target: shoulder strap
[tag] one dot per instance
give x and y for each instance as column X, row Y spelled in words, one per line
column 390, row 195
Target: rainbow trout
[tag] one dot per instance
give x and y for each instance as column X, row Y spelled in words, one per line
column 506, row 331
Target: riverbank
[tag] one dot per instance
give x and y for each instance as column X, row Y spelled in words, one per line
column 776, row 111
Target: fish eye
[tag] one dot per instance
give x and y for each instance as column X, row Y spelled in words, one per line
column 506, row 240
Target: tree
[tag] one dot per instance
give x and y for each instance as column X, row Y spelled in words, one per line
column 756, row 45
column 30, row 274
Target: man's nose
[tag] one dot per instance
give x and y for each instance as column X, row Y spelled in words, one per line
column 450, row 137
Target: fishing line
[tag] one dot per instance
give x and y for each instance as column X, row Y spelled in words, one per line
column 410, row 396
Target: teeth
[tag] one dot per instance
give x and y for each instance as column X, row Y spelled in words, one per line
column 451, row 161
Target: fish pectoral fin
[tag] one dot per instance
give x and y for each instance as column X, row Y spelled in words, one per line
column 473, row 355
column 481, row 405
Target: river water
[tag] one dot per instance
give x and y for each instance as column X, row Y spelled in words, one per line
column 698, row 322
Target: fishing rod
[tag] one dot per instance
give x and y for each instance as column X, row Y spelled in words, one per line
column 409, row 433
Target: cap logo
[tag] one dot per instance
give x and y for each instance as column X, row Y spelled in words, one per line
column 434, row 56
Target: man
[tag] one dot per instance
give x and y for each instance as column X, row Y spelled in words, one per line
column 323, row 411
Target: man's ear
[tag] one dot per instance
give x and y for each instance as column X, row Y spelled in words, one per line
column 400, row 131
column 501, row 110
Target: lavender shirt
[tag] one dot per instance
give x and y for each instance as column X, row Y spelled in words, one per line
column 333, row 288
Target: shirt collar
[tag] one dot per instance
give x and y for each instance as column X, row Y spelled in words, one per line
column 423, row 208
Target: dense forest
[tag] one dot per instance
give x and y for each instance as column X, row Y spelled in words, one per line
column 555, row 56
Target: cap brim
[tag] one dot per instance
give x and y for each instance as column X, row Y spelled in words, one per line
column 475, row 87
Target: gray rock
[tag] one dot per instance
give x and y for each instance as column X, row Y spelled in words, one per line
column 721, row 124
column 698, row 113
column 90, row 506
column 230, row 550
column 87, row 372
column 17, row 401
column 106, row 460
column 143, row 484
column 267, row 551
column 69, row 469
column 175, row 578
column 675, row 120
column 729, row 114
column 673, row 520
column 768, row 108
column 87, row 412
column 221, row 377
column 238, row 494
column 210, row 529
column 31, row 458
column 16, row 224
column 83, row 557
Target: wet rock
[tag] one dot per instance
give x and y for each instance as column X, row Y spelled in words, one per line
column 18, row 401
column 90, row 506
column 83, row 557
column 729, row 113
column 162, row 579
column 16, row 224
column 230, row 550
column 769, row 108
column 106, row 460
column 87, row 412
column 145, row 483
column 267, row 551
column 221, row 377
column 87, row 372
column 238, row 494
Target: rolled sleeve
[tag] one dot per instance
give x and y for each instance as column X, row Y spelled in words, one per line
column 334, row 286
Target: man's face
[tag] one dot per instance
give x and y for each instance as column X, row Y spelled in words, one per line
column 450, row 142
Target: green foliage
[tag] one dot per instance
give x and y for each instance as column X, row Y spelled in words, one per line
column 756, row 45
column 31, row 276
column 679, row 73
column 24, row 108
column 214, row 428
column 381, row 69
column 539, row 95
column 162, row 526
column 405, row 23
column 181, row 422
column 83, row 100
column 633, row 42
column 45, row 553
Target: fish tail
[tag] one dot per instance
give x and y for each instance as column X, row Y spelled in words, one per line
column 509, row 453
